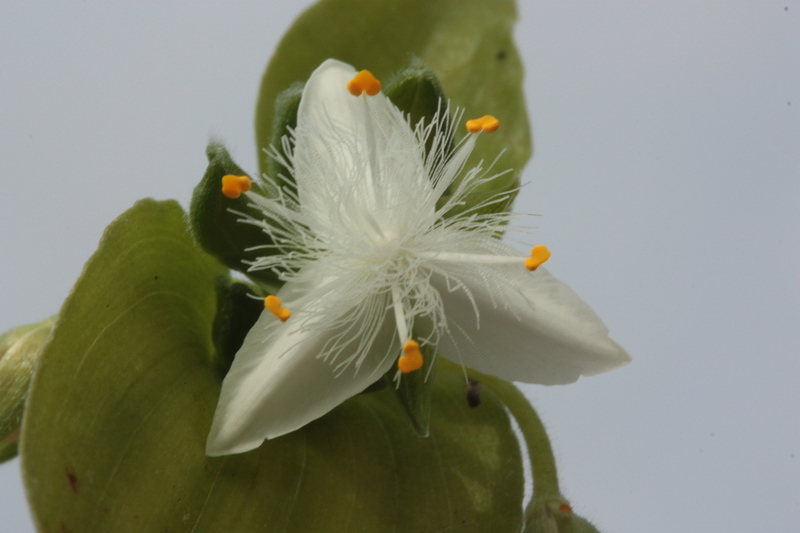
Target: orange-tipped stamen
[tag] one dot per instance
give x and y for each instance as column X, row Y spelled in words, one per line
column 364, row 82
column 486, row 123
column 412, row 359
column 234, row 186
column 539, row 254
column 274, row 305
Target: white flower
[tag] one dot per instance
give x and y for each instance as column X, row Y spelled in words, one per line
column 373, row 269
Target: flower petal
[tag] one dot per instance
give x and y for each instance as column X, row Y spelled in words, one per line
column 359, row 150
column 277, row 384
column 532, row 328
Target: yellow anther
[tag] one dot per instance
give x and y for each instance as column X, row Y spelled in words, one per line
column 364, row 82
column 274, row 305
column 539, row 254
column 486, row 123
column 234, row 186
column 412, row 358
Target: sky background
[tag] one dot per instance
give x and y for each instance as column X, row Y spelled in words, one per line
column 666, row 171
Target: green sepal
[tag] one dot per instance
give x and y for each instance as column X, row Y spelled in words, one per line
column 19, row 353
column 418, row 93
column 414, row 391
column 237, row 313
column 215, row 223
column 286, row 106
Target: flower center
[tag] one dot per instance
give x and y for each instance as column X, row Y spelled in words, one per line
column 386, row 241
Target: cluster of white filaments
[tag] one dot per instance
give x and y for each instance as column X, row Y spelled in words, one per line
column 397, row 211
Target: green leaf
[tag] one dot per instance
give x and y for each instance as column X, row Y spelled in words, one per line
column 19, row 354
column 116, row 421
column 467, row 43
column 218, row 229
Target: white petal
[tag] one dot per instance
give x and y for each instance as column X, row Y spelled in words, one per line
column 276, row 387
column 358, row 150
column 536, row 330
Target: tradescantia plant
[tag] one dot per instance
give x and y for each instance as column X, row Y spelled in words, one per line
column 356, row 382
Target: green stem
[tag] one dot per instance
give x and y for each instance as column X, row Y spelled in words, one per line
column 543, row 463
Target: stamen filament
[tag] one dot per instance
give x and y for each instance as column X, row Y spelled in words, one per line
column 483, row 259
column 399, row 314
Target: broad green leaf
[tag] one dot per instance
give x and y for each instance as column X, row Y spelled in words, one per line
column 467, row 43
column 118, row 413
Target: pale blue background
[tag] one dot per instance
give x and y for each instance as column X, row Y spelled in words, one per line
column 667, row 171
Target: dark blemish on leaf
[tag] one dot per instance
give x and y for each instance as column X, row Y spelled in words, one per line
column 473, row 393
column 72, row 478
column 501, row 55
column 155, row 278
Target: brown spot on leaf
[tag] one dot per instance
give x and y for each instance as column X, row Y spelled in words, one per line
column 72, row 479
column 474, row 393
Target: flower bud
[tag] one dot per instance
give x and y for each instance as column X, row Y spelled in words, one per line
column 215, row 218
column 19, row 352
column 237, row 312
column 417, row 92
column 286, row 106
column 556, row 517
